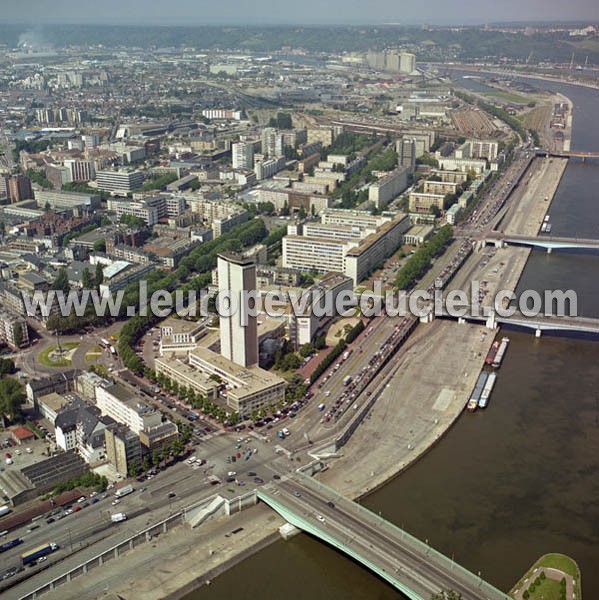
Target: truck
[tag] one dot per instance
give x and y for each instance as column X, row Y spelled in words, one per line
column 118, row 517
column 33, row 555
column 127, row 489
column 346, row 354
column 347, row 380
column 4, row 510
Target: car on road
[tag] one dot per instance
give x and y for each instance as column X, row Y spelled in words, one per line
column 321, row 518
column 297, row 494
column 330, row 504
column 115, row 502
column 172, row 495
column 275, row 476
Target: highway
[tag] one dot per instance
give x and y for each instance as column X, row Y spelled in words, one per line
column 92, row 525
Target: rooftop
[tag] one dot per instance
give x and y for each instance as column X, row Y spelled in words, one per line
column 247, row 380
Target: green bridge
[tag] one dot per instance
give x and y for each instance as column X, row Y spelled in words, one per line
column 411, row 566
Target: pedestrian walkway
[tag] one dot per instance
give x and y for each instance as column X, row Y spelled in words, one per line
column 550, row 573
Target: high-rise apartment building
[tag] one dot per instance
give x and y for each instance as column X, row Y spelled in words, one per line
column 406, row 153
column 243, row 155
column 238, row 330
column 273, row 144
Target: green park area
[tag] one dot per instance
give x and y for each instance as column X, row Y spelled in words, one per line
column 510, row 97
column 58, row 357
column 543, row 582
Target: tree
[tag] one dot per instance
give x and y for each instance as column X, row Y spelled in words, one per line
column 61, row 283
column 320, row 342
column 99, row 278
column 18, row 335
column 12, row 395
column 86, row 279
column 100, row 246
column 306, row 350
column 7, row 366
column 145, row 463
column 133, row 468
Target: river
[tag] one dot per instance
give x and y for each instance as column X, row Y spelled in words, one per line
column 503, row 486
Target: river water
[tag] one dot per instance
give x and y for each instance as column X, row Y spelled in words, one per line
column 505, row 485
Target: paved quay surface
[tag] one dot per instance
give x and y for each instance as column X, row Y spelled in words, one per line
column 445, row 360
column 174, row 563
column 530, row 206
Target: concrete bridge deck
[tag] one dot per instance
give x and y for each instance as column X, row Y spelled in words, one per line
column 539, row 323
column 411, row 566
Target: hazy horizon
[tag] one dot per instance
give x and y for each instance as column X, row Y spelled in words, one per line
column 310, row 12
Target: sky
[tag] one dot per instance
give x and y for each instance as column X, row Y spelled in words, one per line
column 255, row 12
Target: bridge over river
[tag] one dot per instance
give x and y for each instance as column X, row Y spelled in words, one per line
column 408, row 564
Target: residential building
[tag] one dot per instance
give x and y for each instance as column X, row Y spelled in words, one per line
column 120, row 274
column 124, row 405
column 14, row 331
column 421, row 202
column 355, row 256
column 406, row 153
column 452, row 214
column 243, row 155
column 381, row 192
column 19, row 188
column 264, row 169
column 123, row 449
column 439, row 187
column 273, row 144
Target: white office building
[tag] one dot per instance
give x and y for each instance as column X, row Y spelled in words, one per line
column 239, row 331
